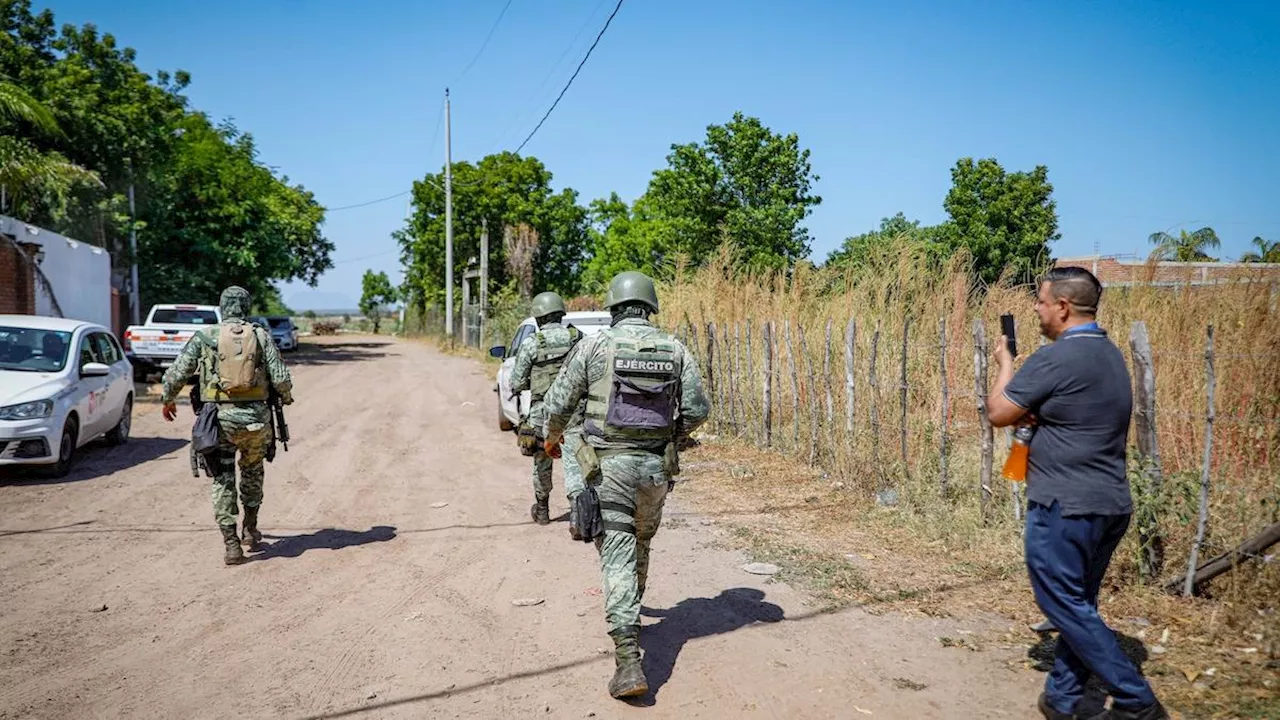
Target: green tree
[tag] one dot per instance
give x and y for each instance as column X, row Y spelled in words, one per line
column 1006, row 220
column 623, row 238
column 858, row 249
column 208, row 213
column 744, row 183
column 1186, row 246
column 25, row 169
column 501, row 190
column 1268, row 252
column 376, row 293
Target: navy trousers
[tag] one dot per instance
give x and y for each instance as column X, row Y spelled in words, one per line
column 1067, row 558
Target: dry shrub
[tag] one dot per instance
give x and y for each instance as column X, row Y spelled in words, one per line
column 326, row 327
column 898, row 288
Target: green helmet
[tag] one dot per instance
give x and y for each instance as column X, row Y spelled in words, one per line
column 547, row 303
column 632, row 286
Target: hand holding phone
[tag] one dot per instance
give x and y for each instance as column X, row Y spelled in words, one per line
column 1010, row 332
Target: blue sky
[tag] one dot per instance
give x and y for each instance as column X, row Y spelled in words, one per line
column 1149, row 115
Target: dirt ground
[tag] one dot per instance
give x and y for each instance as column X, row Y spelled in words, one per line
column 377, row 599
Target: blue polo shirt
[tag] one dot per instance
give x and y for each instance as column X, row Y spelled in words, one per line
column 1079, row 389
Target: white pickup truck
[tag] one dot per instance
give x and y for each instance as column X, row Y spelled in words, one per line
column 154, row 345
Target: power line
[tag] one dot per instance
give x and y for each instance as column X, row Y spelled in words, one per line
column 575, row 75
column 485, row 44
column 517, row 119
column 371, row 202
column 364, row 257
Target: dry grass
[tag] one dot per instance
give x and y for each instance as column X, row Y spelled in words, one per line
column 945, row 556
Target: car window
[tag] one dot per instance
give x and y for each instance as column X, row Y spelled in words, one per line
column 88, row 353
column 524, row 332
column 176, row 316
column 105, row 350
column 115, row 346
column 280, row 323
column 33, row 349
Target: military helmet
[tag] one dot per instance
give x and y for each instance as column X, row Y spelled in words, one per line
column 546, row 303
column 632, row 286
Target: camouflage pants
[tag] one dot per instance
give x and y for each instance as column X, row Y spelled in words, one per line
column 573, row 480
column 632, row 491
column 541, row 476
column 251, row 442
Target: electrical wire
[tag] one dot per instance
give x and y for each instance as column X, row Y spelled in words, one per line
column 485, row 44
column 574, row 76
column 371, row 202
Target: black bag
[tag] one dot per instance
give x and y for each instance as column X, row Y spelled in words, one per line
column 204, row 437
column 587, row 514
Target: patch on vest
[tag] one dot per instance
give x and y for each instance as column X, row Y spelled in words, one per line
column 634, row 365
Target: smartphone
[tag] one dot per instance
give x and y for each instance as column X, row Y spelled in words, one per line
column 1010, row 332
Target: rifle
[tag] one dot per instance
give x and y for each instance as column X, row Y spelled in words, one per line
column 279, row 428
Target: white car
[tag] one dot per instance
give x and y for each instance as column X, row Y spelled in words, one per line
column 510, row 408
column 63, row 384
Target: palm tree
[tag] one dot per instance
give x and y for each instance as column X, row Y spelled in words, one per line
column 1268, row 252
column 24, row 168
column 1186, row 247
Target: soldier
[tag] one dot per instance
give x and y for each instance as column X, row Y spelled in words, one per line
column 644, row 395
column 538, row 361
column 236, row 365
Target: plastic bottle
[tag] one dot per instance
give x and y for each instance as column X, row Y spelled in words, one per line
column 1015, row 467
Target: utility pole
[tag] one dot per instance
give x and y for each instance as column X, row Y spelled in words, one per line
column 484, row 278
column 448, row 223
column 134, row 310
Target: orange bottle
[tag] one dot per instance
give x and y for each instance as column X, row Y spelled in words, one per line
column 1015, row 467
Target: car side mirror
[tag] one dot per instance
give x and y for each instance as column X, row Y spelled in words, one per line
column 498, row 352
column 94, row 370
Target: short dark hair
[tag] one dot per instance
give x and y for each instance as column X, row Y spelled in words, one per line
column 1076, row 285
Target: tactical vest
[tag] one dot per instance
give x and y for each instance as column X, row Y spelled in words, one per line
column 636, row 398
column 232, row 368
column 547, row 361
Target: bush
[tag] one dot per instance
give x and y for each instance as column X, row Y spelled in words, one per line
column 326, row 327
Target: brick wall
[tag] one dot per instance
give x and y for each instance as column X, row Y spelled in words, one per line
column 1118, row 271
column 17, row 280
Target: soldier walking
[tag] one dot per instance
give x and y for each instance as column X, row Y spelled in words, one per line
column 644, row 395
column 538, row 361
column 236, row 365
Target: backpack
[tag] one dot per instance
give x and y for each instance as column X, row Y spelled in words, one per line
column 238, row 357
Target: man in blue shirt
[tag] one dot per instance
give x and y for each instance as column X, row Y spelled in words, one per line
column 1076, row 392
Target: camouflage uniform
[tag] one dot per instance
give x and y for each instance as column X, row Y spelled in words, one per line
column 521, row 378
column 244, row 426
column 633, row 479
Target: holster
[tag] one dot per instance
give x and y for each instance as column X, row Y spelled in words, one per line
column 527, row 439
column 589, row 520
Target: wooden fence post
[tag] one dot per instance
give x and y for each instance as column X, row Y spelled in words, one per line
column 875, row 409
column 902, row 393
column 1203, row 524
column 795, row 386
column 713, row 377
column 813, row 396
column 826, row 379
column 751, row 373
column 980, row 389
column 1149, row 536
column 850, row 398
column 946, row 405
column 737, row 379
column 726, row 352
column 766, row 386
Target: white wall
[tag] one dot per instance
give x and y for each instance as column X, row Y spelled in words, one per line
column 79, row 273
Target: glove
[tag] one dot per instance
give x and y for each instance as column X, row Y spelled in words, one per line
column 553, row 451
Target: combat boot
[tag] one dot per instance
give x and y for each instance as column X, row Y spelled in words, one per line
column 252, row 538
column 628, row 679
column 233, row 556
column 540, row 512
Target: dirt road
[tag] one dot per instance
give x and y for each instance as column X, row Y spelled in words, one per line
column 372, row 601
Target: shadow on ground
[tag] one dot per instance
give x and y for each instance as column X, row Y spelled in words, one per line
column 96, row 460
column 695, row 618
column 1095, row 695
column 292, row 546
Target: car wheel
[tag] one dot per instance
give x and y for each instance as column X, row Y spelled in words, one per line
column 503, row 423
column 66, row 448
column 119, row 434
